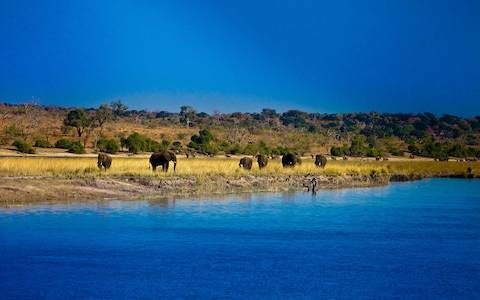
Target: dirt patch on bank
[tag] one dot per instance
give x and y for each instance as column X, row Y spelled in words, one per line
column 25, row 190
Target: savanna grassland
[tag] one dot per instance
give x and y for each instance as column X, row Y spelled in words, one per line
column 49, row 153
column 47, row 179
column 69, row 167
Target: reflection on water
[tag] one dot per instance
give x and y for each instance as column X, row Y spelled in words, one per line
column 407, row 240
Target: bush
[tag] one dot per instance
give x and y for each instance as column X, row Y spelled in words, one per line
column 234, row 149
column 23, row 147
column 203, row 142
column 63, row 144
column 108, row 145
column 358, row 147
column 279, row 150
column 395, row 151
column 153, row 146
column 135, row 143
column 374, row 152
column 76, row 148
column 339, row 151
column 14, row 131
column 42, row 143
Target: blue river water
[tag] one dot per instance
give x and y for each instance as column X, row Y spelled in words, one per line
column 415, row 240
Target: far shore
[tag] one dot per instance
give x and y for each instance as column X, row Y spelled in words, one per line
column 60, row 177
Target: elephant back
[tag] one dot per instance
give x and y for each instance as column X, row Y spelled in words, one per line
column 320, row 160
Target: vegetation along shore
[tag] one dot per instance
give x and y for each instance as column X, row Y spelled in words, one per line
column 47, row 179
column 50, row 153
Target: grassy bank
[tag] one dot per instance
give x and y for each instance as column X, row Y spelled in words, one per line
column 40, row 179
column 200, row 167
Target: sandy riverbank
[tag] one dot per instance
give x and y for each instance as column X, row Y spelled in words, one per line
column 25, row 190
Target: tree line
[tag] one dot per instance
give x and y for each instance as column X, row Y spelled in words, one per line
column 355, row 134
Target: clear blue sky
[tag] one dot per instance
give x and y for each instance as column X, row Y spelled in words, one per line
column 324, row 56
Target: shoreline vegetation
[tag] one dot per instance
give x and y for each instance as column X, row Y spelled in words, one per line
column 49, row 153
column 50, row 179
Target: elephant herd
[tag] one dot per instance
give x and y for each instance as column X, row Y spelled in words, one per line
column 288, row 160
column 163, row 159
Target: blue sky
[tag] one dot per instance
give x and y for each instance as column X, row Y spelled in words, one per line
column 323, row 56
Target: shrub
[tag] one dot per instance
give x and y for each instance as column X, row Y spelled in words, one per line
column 176, row 145
column 42, row 143
column 203, row 142
column 23, row 147
column 279, row 150
column 14, row 131
column 374, row 152
column 135, row 143
column 234, row 149
column 358, row 148
column 395, row 151
column 76, row 148
column 108, row 145
column 338, row 151
column 153, row 146
column 63, row 144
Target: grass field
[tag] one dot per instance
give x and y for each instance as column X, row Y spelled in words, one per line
column 139, row 166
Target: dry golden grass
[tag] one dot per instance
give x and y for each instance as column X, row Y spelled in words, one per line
column 200, row 167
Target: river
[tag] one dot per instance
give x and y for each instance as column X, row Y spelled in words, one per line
column 407, row 240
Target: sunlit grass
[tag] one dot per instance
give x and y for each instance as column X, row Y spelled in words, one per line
column 135, row 166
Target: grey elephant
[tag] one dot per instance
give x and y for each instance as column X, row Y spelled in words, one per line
column 246, row 163
column 320, row 160
column 290, row 160
column 262, row 161
column 104, row 161
column 163, row 159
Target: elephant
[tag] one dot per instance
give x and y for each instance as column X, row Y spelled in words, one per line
column 262, row 161
column 320, row 160
column 290, row 160
column 246, row 163
column 104, row 161
column 163, row 159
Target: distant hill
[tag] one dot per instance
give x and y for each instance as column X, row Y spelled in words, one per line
column 356, row 134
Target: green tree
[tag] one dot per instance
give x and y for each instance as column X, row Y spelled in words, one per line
column 77, row 118
column 203, row 142
column 135, row 143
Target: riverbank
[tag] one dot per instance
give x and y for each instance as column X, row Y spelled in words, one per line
column 24, row 190
column 45, row 180
column 34, row 190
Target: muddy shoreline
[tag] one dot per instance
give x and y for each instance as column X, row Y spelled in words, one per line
column 32, row 190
